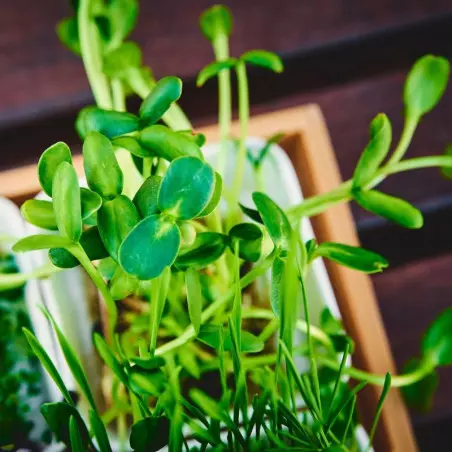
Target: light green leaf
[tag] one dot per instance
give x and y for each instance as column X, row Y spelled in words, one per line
column 447, row 170
column 115, row 219
column 248, row 237
column 384, row 393
column 132, row 145
column 150, row 247
column 166, row 91
column 120, row 60
column 375, row 152
column 263, row 58
column 394, row 209
column 194, row 297
column 99, row 430
column 49, row 162
column 278, row 266
column 213, row 69
column 90, row 202
column 67, row 31
column 148, row 363
column 215, row 199
column 187, row 233
column 103, row 174
column 150, row 434
column 41, row 242
column 210, row 335
column 75, row 436
column 146, row 198
column 352, row 257
column 122, row 284
column 216, row 21
column 425, row 85
column 437, row 341
column 39, row 213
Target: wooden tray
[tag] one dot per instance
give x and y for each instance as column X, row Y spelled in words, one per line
column 307, row 143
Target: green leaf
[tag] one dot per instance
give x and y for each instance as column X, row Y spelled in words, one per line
column 146, row 198
column 147, row 383
column 384, row 393
column 262, row 58
column 49, row 162
column 213, row 69
column 120, row 60
column 115, row 219
column 39, row 213
column 329, row 323
column 216, row 21
column 425, row 85
column 249, row 238
column 352, row 256
column 168, row 144
column 210, row 335
column 150, row 247
column 258, row 160
column 446, row 171
column 75, row 436
column 90, row 242
column 57, row 416
column 274, row 219
column 131, row 145
column 122, row 284
column 394, row 209
column 194, row 297
column 166, row 91
column 99, row 430
column 437, row 341
column 251, row 213
column 278, row 266
column 206, row 249
column 150, row 434
column 375, row 152
column 215, row 199
column 187, row 188
column 72, row 361
column 67, row 31
column 48, row 365
column 419, row 395
column 90, row 202
column 109, row 123
column 198, row 138
column 41, row 242
column 103, row 174
column 148, row 363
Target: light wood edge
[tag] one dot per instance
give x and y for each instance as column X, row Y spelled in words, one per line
column 308, row 145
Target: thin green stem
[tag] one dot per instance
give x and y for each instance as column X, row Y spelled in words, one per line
column 119, row 98
column 419, row 163
column 90, row 46
column 411, row 122
column 13, row 280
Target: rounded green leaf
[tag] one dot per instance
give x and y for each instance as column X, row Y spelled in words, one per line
column 425, row 84
column 41, row 242
column 275, row 220
column 107, row 122
column 150, row 247
column 67, row 31
column 215, row 21
column 213, row 69
column 437, row 341
column 146, row 198
column 375, row 152
column 150, row 434
column 132, row 145
column 352, row 256
column 187, row 188
column 66, row 202
column 39, row 213
column 394, row 209
column 103, row 174
column 263, row 58
column 115, row 219
column 206, row 249
column 248, row 237
column 194, row 297
column 166, row 91
column 168, row 144
column 90, row 202
column 119, row 61
column 122, row 284
column 49, row 162
column 216, row 197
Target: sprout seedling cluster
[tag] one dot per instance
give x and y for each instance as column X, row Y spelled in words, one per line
column 156, row 223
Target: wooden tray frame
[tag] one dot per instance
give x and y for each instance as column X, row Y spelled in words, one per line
column 308, row 144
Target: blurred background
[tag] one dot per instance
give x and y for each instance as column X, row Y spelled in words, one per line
column 349, row 56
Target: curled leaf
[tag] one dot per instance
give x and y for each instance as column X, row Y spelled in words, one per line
column 263, row 58
column 216, row 21
column 213, row 69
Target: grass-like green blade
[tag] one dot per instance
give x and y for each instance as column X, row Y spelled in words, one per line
column 74, row 434
column 99, row 431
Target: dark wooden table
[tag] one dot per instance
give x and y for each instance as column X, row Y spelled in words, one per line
column 349, row 56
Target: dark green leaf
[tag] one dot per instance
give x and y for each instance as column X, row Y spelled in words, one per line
column 103, row 174
column 75, row 436
column 164, row 142
column 262, row 58
column 49, row 162
column 249, row 238
column 39, row 213
column 150, row 247
column 100, row 432
column 66, row 202
column 198, row 138
column 41, row 242
column 90, row 202
column 437, row 341
column 122, row 284
column 394, row 209
column 251, row 213
column 352, row 257
column 275, row 220
column 187, row 188
column 425, row 84
column 194, row 297
column 150, row 434
column 375, row 152
column 329, row 323
column 207, row 248
column 67, row 31
column 216, row 197
column 119, row 61
column 146, row 198
column 148, row 363
column 419, row 395
column 215, row 21
column 107, row 122
column 116, row 218
column 166, row 91
column 213, row 69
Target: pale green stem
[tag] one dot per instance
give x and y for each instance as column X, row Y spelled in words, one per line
column 411, row 122
column 90, row 46
column 119, row 98
column 13, row 280
column 154, row 315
